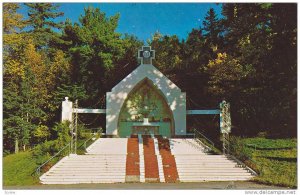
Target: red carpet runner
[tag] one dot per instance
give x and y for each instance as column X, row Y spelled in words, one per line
column 151, row 166
column 168, row 160
column 133, row 160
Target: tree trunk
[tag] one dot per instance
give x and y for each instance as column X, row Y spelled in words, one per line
column 16, row 145
column 24, row 147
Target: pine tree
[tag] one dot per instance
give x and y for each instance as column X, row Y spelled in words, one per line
column 94, row 47
column 212, row 30
column 41, row 19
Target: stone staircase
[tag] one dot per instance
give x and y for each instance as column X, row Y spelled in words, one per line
column 144, row 159
column 193, row 165
column 104, row 162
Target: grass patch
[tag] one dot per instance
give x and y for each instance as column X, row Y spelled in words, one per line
column 271, row 144
column 17, row 169
column 274, row 159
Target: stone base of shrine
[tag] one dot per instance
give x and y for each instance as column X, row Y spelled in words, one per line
column 152, row 180
column 132, row 178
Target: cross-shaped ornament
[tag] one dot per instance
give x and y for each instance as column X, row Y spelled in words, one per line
column 146, row 55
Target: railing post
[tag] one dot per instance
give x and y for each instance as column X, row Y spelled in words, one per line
column 76, row 124
column 223, row 140
column 228, row 143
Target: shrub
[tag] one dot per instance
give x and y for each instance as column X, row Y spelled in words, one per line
column 238, row 148
column 63, row 132
column 44, row 151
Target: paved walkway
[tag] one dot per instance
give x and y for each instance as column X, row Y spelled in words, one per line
column 159, row 186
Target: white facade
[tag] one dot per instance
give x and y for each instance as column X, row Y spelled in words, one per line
column 173, row 95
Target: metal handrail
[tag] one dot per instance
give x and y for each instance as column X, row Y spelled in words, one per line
column 38, row 170
column 243, row 164
column 226, row 153
column 85, row 142
column 197, row 136
column 207, row 139
column 93, row 135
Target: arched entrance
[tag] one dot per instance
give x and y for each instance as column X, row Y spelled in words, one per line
column 145, row 101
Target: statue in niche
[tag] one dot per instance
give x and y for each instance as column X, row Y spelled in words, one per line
column 144, row 103
column 148, row 107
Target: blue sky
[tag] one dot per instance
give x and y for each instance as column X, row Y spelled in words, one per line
column 144, row 19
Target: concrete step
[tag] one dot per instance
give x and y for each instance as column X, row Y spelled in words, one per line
column 194, row 166
column 93, row 162
column 106, row 164
column 104, row 146
column 83, row 182
column 212, row 170
column 85, row 172
column 225, row 164
column 91, row 168
column 81, row 177
column 196, row 174
column 214, row 179
column 76, row 172
column 79, row 168
column 202, row 156
column 100, row 156
column 96, row 157
column 213, row 176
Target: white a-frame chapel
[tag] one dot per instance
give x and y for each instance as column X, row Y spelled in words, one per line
column 146, row 137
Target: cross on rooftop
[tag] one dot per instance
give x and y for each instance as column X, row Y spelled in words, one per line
column 146, row 55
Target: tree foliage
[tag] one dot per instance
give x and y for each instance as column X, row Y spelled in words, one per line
column 94, row 47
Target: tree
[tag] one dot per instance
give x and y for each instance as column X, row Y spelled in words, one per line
column 94, row 47
column 12, row 21
column 41, row 19
column 225, row 75
column 168, row 54
column 212, row 30
column 128, row 62
column 50, row 64
column 195, row 58
column 41, row 132
column 63, row 133
column 261, row 36
column 21, row 110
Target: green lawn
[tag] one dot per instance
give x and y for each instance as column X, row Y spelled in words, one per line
column 275, row 159
column 17, row 169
